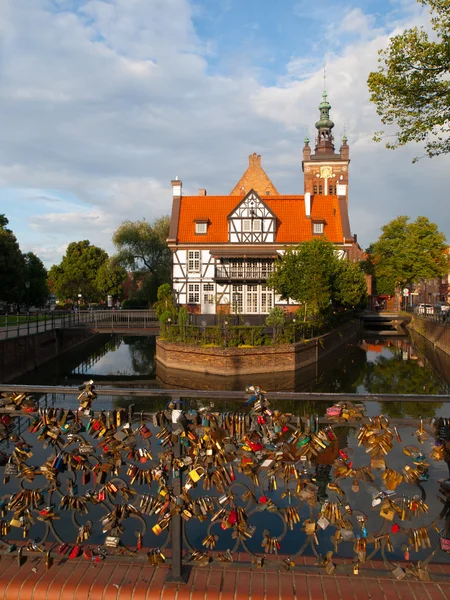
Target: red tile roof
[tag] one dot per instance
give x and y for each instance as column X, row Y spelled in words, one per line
column 292, row 225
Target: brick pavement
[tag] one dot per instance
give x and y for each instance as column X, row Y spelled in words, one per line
column 121, row 579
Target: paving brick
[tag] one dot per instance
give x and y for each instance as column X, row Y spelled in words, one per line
column 301, row 587
column 83, row 588
column 418, row 590
column 403, row 590
column 345, row 588
column 435, row 592
column 330, row 588
column 258, row 585
column 68, row 589
column 229, row 585
column 214, row 584
column 286, row 585
column 143, row 581
column 101, row 581
column 128, row 583
column 201, row 581
column 389, row 590
column 359, row 588
column 113, row 587
column 243, row 585
column 374, row 589
column 315, row 587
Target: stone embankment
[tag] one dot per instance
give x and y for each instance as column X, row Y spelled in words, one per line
column 259, row 359
column 436, row 333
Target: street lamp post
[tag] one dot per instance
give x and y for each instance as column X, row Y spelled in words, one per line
column 295, row 338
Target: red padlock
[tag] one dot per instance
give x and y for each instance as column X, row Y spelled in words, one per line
column 263, row 499
column 6, row 419
column 232, row 519
column 395, row 528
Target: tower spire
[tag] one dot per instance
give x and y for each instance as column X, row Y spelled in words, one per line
column 324, row 125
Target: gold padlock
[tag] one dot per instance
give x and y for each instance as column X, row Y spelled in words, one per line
column 196, row 474
column 156, row 529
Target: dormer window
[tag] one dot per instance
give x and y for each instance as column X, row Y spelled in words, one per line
column 318, row 228
column 201, row 227
column 257, row 225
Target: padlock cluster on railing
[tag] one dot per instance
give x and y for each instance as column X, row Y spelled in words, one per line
column 255, row 460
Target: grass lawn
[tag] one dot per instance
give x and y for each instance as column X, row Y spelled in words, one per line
column 12, row 319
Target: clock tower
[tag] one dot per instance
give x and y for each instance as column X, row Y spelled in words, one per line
column 326, row 171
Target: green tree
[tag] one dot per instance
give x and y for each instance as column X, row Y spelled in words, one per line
column 110, row 279
column 12, row 265
column 349, row 285
column 276, row 319
column 36, row 287
column 164, row 304
column 77, row 272
column 407, row 252
column 304, row 274
column 142, row 248
column 411, row 88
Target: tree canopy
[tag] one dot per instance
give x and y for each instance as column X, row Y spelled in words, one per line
column 12, row 265
column 411, row 88
column 407, row 252
column 142, row 247
column 110, row 279
column 36, row 287
column 77, row 272
column 313, row 275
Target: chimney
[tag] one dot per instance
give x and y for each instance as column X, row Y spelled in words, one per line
column 176, row 187
column 202, row 193
column 254, row 159
column 308, row 205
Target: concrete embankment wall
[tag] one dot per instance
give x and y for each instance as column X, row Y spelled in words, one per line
column 438, row 335
column 22, row 354
column 262, row 359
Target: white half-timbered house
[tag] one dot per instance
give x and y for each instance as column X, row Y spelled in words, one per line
column 224, row 247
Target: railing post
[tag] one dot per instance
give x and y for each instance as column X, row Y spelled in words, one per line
column 6, row 323
column 178, row 573
column 28, row 323
column 45, row 321
column 18, row 328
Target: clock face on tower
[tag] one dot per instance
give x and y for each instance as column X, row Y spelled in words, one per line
column 326, row 172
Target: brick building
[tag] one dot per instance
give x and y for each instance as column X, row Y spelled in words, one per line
column 224, row 247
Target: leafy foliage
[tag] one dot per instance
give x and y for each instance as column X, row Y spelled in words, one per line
column 12, row 265
column 411, row 88
column 77, row 272
column 312, row 275
column 164, row 304
column 142, row 247
column 407, row 252
column 349, row 284
column 110, row 279
column 36, row 276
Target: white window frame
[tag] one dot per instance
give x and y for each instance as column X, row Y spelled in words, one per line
column 193, row 261
column 201, row 227
column 257, row 225
column 318, row 228
column 247, row 225
column 193, row 293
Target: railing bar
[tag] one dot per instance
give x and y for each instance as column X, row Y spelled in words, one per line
column 230, row 395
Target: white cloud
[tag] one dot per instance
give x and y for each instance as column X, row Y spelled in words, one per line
column 102, row 107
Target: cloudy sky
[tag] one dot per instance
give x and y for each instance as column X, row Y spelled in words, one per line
column 103, row 102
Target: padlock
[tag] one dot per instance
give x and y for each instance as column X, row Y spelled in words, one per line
column 196, row 474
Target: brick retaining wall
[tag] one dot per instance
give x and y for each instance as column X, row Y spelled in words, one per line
column 241, row 361
column 22, row 354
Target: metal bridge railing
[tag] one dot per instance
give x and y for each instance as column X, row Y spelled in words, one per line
column 200, row 475
column 18, row 325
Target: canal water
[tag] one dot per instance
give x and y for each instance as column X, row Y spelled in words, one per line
column 390, row 365
column 367, row 365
